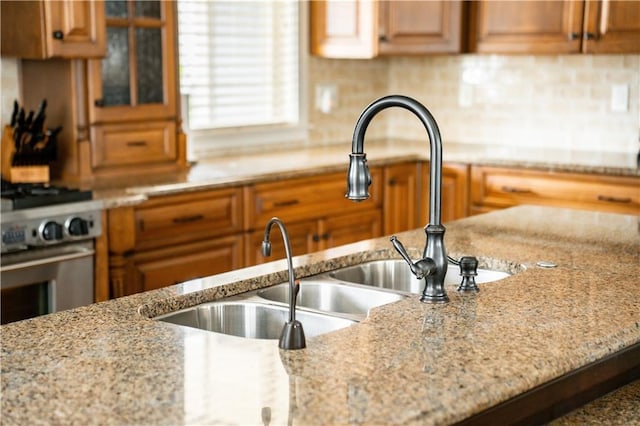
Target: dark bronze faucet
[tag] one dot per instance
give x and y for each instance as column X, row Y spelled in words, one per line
column 433, row 266
column 292, row 336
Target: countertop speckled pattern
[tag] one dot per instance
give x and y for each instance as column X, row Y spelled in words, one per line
column 245, row 168
column 407, row 363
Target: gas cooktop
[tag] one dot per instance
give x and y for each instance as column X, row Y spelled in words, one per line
column 18, row 196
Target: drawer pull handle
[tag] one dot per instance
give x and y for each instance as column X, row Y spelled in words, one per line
column 137, row 143
column 609, row 199
column 285, row 203
column 188, row 219
column 514, row 190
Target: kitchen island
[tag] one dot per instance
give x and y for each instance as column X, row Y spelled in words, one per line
column 407, row 363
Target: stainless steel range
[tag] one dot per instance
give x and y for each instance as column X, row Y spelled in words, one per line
column 47, row 262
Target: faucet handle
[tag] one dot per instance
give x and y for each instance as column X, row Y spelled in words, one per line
column 421, row 268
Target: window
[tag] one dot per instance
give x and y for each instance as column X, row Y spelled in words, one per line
column 240, row 71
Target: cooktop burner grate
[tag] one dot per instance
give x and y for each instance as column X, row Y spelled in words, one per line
column 29, row 195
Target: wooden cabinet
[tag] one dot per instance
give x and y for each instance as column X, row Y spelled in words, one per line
column 119, row 114
column 53, row 29
column 365, row 29
column 174, row 238
column 496, row 187
column 551, row 26
column 402, row 197
column 420, row 27
column 455, row 192
column 315, row 212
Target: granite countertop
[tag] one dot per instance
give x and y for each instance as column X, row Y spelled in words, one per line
column 246, row 168
column 408, row 362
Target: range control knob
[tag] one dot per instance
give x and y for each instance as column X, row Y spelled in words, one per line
column 78, row 227
column 51, row 231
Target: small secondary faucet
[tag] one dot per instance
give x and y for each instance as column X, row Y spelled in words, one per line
column 433, row 265
column 292, row 336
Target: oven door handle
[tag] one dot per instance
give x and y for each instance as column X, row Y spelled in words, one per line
column 77, row 254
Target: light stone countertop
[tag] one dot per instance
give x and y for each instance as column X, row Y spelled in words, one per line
column 246, row 168
column 407, row 363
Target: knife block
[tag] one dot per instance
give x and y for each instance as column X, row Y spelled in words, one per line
column 25, row 173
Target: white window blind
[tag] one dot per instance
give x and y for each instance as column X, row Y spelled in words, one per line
column 239, row 62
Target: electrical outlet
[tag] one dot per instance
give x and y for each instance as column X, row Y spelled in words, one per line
column 326, row 97
column 619, row 97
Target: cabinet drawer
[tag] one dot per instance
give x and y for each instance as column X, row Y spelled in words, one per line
column 307, row 198
column 133, row 144
column 502, row 187
column 188, row 216
column 172, row 265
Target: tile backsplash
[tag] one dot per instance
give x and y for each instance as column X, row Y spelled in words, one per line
column 511, row 100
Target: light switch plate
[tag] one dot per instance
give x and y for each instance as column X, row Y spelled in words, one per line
column 620, row 97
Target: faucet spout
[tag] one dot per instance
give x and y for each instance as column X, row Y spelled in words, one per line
column 359, row 180
column 292, row 336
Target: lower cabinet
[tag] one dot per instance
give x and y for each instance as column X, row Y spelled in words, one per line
column 455, row 192
column 172, row 265
column 315, row 235
column 174, row 238
column 402, row 194
column 315, row 212
column 499, row 187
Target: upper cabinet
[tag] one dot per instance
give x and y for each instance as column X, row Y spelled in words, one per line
column 420, row 27
column 366, row 29
column 551, row 26
column 119, row 113
column 137, row 77
column 53, row 29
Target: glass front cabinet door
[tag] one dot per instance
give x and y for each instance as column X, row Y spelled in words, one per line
column 136, row 80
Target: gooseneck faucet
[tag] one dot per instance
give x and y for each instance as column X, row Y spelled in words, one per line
column 292, row 336
column 433, row 265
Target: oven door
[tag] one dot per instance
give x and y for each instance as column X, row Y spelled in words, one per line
column 42, row 281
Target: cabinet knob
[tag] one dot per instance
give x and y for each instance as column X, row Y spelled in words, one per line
column 589, row 36
column 574, row 36
column 99, row 103
column 58, row 35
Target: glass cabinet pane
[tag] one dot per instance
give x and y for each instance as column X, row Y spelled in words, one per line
column 116, row 8
column 116, row 89
column 149, row 65
column 148, row 9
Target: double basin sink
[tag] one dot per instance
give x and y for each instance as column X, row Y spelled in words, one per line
column 326, row 302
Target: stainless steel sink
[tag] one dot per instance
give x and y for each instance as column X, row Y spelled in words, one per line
column 252, row 320
column 332, row 297
column 394, row 274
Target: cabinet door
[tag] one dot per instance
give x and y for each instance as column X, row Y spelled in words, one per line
column 303, row 237
column 455, row 192
column 541, row 26
column 173, row 265
column 344, row 28
column 53, row 29
column 344, row 229
column 137, row 78
column 612, row 27
column 400, row 198
column 419, row 27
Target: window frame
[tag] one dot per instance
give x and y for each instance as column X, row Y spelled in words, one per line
column 203, row 143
